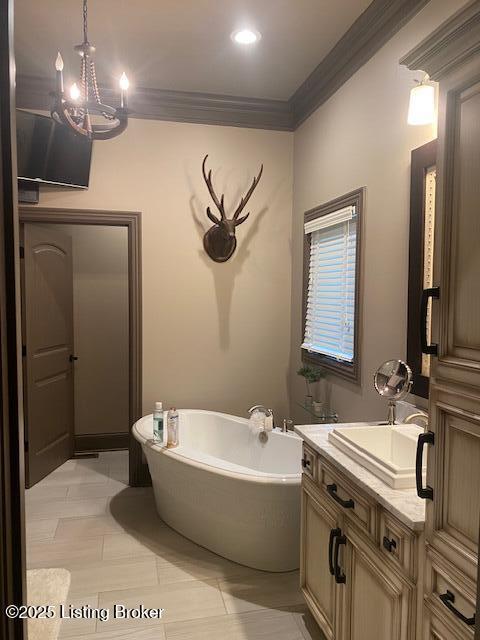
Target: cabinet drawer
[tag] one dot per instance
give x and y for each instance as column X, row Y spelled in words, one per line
column 349, row 500
column 436, row 627
column 398, row 543
column 451, row 594
column 309, row 462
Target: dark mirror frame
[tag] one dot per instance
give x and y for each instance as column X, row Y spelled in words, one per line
column 423, row 158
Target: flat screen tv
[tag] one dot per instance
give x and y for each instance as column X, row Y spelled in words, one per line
column 50, row 152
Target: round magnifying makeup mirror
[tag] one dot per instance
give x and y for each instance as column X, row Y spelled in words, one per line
column 393, row 380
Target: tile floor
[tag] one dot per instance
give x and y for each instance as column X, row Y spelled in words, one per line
column 85, row 518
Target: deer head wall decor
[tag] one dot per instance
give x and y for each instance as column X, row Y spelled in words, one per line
column 220, row 241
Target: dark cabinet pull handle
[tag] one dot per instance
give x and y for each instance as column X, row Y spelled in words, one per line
column 305, row 462
column 72, row 358
column 429, row 349
column 346, row 504
column 340, row 577
column 423, row 439
column 448, row 599
column 388, row 544
column 333, row 534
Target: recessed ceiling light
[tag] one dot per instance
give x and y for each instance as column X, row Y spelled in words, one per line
column 246, row 36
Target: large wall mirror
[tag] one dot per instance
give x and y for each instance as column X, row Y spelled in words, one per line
column 420, row 277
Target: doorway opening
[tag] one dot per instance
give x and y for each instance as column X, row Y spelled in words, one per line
column 81, row 326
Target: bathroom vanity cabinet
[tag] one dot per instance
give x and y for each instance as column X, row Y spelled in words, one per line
column 361, row 568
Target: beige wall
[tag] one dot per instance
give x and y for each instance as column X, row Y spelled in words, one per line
column 214, row 336
column 360, row 137
column 100, row 319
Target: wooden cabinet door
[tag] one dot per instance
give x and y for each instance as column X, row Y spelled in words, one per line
column 377, row 603
column 457, row 234
column 453, row 463
column 317, row 584
column 454, row 474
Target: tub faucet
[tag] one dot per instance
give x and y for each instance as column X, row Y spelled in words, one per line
column 264, row 410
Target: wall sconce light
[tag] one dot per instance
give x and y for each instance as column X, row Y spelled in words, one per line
column 421, row 109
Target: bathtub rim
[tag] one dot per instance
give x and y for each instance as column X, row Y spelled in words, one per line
column 266, row 478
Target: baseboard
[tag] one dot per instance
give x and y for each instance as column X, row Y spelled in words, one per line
column 101, row 441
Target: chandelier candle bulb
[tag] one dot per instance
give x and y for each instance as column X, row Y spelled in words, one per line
column 124, row 84
column 59, row 62
column 59, row 69
column 74, row 92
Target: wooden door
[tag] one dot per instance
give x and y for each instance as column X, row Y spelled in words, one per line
column 377, row 603
column 48, row 345
column 317, row 584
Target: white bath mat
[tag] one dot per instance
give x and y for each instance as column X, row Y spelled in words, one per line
column 46, row 587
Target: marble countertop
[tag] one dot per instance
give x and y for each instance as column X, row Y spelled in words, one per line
column 402, row 503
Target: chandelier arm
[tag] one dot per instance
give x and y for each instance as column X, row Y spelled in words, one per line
column 112, row 132
column 118, row 123
column 67, row 120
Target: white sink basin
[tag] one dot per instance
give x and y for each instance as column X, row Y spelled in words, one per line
column 387, row 451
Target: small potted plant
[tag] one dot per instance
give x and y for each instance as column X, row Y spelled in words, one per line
column 312, row 375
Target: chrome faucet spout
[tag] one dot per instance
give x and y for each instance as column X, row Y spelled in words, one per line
column 423, row 417
column 262, row 408
column 267, row 412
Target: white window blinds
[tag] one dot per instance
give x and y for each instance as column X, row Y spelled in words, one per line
column 330, row 309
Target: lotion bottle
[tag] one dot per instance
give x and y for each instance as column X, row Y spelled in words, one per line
column 172, row 428
column 158, row 422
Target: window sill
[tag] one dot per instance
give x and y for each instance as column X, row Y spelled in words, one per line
column 347, row 370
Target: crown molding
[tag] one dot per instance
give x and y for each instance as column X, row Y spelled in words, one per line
column 454, row 42
column 376, row 25
column 178, row 106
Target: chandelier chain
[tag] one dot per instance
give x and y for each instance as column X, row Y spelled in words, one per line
column 96, row 93
column 85, row 21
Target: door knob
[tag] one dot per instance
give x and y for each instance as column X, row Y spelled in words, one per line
column 72, row 358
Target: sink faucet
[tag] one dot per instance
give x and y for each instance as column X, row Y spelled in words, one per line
column 423, row 417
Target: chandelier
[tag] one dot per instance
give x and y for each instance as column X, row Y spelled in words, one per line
column 83, row 110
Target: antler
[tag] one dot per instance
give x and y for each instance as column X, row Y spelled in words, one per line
column 219, row 203
column 245, row 199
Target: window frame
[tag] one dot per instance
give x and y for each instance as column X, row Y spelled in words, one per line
column 422, row 159
column 348, row 370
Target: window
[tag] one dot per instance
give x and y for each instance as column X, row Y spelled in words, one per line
column 331, row 314
column 420, row 276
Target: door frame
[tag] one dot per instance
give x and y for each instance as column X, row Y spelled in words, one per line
column 138, row 472
column 12, row 531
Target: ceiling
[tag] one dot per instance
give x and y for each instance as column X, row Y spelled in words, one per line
column 185, row 45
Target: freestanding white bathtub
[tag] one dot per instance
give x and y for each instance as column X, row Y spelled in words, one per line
column 225, row 490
